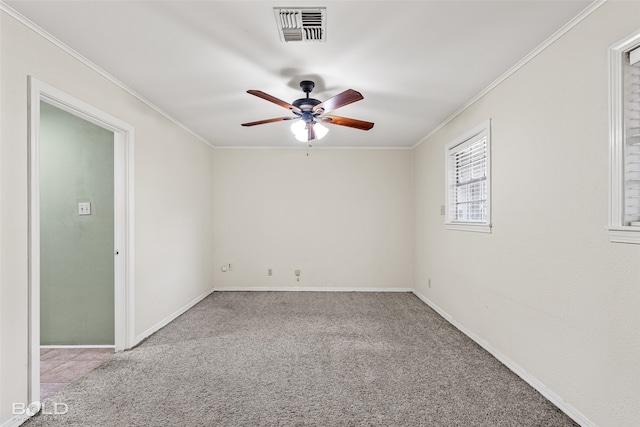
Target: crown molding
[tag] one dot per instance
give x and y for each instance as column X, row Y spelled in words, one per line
column 84, row 60
column 544, row 45
column 315, row 147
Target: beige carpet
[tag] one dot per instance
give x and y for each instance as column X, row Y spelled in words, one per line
column 304, row 359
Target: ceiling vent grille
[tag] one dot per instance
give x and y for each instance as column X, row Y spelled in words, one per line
column 301, row 24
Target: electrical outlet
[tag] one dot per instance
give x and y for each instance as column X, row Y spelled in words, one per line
column 270, row 272
column 442, row 210
column 224, row 268
column 297, row 272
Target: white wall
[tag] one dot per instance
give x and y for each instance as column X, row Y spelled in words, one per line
column 546, row 289
column 173, row 198
column 342, row 217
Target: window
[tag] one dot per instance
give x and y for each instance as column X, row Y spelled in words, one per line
column 624, row 144
column 468, row 181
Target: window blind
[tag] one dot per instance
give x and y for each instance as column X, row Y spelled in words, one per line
column 631, row 81
column 468, row 193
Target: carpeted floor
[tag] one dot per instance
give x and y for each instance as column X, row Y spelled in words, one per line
column 304, row 359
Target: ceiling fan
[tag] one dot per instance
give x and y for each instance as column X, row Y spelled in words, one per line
column 309, row 112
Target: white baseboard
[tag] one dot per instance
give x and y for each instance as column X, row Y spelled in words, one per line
column 565, row 407
column 15, row 421
column 77, row 346
column 164, row 322
column 306, row 289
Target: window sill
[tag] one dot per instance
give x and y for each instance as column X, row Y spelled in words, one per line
column 466, row 226
column 624, row 234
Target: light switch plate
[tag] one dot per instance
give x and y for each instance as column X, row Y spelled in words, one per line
column 84, row 208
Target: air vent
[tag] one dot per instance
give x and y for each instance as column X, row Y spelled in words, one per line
column 301, row 24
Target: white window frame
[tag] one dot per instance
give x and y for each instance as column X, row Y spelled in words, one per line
column 451, row 223
column 619, row 231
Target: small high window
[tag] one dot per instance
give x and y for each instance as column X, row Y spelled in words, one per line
column 468, row 181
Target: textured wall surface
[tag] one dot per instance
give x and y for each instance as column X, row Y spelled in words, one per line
column 546, row 289
column 342, row 217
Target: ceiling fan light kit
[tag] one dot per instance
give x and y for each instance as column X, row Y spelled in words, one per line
column 301, row 131
column 309, row 112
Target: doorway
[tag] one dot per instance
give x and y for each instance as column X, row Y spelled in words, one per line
column 76, row 169
column 76, row 230
column 80, row 226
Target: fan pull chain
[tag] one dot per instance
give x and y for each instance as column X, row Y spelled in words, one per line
column 308, row 149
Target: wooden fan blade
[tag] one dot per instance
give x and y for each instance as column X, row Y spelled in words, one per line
column 312, row 132
column 261, row 122
column 340, row 100
column 345, row 121
column 266, row 96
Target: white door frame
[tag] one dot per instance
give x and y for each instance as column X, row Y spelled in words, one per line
column 123, row 217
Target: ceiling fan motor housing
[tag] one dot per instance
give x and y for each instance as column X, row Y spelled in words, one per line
column 306, row 104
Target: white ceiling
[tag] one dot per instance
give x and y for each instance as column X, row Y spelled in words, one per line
column 415, row 62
